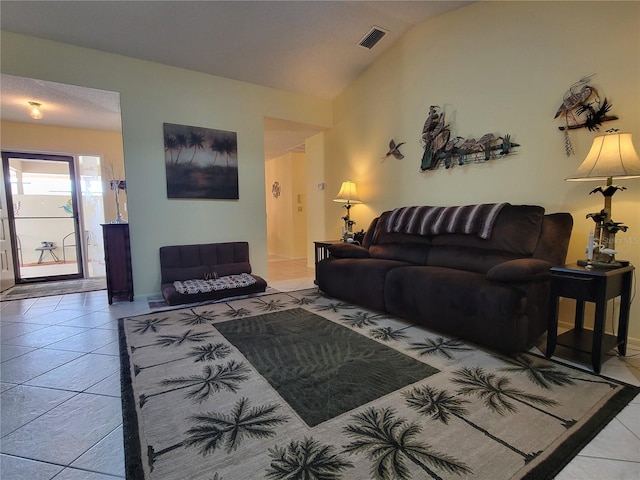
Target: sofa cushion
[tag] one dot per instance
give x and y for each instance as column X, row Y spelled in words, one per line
column 348, row 250
column 460, row 303
column 381, row 236
column 521, row 270
column 472, row 259
column 357, row 280
column 417, row 253
column 554, row 239
column 517, row 230
column 368, row 236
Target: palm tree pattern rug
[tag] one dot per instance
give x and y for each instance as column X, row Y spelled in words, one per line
column 301, row 386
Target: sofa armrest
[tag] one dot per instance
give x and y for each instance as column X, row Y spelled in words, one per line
column 521, row 270
column 348, row 250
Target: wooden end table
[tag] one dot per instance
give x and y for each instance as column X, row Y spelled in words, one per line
column 590, row 285
column 322, row 251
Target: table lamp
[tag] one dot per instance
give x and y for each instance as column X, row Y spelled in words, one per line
column 349, row 196
column 611, row 156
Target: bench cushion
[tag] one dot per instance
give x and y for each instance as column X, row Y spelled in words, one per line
column 172, row 297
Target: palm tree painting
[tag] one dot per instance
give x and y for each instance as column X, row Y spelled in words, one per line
column 200, row 162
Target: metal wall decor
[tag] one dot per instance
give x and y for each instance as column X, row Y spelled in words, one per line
column 394, row 151
column 582, row 107
column 441, row 150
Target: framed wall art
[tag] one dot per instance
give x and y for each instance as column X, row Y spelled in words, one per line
column 200, row 162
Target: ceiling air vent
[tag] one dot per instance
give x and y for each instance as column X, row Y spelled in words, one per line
column 372, row 38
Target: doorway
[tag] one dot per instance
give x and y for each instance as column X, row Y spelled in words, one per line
column 79, row 122
column 291, row 207
column 43, row 216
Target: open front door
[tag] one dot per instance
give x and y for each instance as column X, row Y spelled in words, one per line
column 7, row 274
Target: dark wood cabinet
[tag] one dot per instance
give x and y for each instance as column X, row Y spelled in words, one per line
column 117, row 258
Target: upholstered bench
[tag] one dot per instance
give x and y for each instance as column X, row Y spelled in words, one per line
column 207, row 271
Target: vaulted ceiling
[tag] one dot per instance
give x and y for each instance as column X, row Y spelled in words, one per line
column 308, row 47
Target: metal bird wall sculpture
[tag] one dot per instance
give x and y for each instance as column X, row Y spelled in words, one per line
column 394, row 150
column 574, row 97
column 441, row 149
column 582, row 98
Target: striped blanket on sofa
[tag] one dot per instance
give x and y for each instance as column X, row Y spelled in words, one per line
column 468, row 219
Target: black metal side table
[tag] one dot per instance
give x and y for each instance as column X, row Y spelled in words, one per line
column 590, row 285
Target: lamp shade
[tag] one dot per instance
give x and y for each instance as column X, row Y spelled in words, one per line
column 611, row 156
column 347, row 193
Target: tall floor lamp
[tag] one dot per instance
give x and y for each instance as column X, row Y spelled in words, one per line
column 349, row 196
column 611, row 156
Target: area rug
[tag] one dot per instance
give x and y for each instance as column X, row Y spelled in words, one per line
column 47, row 289
column 301, row 386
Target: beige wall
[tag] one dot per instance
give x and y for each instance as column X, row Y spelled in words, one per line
column 498, row 67
column 317, row 194
column 287, row 214
column 26, row 137
column 150, row 95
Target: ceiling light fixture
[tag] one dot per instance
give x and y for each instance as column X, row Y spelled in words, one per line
column 34, row 110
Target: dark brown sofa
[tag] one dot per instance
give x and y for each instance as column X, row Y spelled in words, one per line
column 492, row 291
column 207, row 260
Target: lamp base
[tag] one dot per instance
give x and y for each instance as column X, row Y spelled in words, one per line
column 347, row 236
column 598, row 264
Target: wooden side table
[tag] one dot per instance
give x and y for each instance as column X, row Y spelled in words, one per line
column 322, row 250
column 590, row 285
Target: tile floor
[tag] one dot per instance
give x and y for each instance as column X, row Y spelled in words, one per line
column 281, row 268
column 60, row 390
